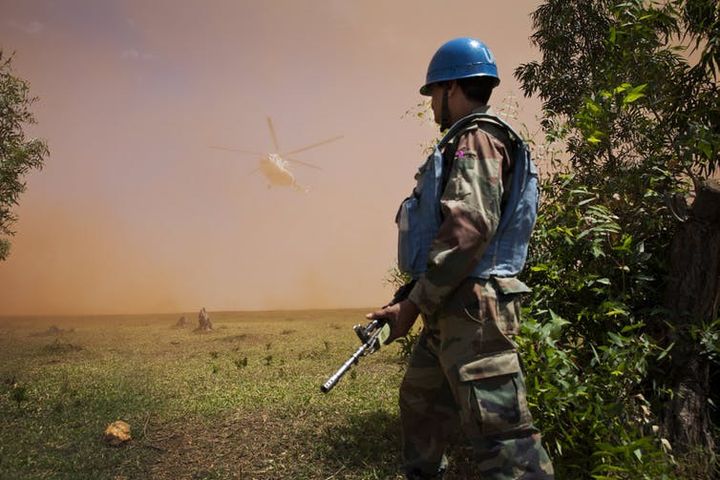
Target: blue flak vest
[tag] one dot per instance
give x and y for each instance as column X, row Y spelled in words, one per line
column 420, row 216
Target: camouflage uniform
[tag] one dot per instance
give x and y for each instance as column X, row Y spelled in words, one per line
column 464, row 371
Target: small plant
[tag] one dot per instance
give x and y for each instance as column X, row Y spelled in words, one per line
column 240, row 362
column 18, row 393
column 396, row 279
column 268, row 360
column 407, row 343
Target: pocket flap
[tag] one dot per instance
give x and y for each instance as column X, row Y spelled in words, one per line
column 491, row 366
column 511, row 285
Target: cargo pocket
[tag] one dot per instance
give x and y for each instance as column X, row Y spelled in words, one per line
column 496, row 395
column 509, row 292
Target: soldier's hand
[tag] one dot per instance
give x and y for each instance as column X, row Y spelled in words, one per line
column 401, row 317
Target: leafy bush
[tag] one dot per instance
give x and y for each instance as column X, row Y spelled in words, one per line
column 634, row 114
column 584, row 343
column 18, row 154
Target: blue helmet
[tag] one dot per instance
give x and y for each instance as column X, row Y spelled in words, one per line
column 460, row 58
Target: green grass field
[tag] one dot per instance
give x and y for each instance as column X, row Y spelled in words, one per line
column 241, row 402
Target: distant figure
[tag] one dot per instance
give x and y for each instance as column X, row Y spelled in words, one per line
column 204, row 323
column 181, row 323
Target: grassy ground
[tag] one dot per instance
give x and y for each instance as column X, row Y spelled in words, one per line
column 241, row 402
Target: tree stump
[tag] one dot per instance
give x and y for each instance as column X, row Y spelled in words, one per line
column 692, row 297
column 204, row 322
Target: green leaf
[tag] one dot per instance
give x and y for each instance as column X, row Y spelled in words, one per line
column 634, row 94
column 593, row 107
column 705, row 148
column 622, row 87
column 556, row 325
column 638, row 454
column 630, row 328
column 664, row 353
column 595, row 138
column 587, row 200
column 617, row 312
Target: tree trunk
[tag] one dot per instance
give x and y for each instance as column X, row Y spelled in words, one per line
column 692, row 297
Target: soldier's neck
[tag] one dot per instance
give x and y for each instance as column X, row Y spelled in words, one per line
column 467, row 107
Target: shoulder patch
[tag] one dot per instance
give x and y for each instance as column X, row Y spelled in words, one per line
column 465, row 159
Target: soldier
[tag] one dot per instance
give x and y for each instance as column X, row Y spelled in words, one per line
column 463, row 237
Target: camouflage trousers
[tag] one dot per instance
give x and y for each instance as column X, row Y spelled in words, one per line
column 464, row 373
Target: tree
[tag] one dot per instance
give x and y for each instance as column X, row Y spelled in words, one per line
column 18, row 154
column 623, row 357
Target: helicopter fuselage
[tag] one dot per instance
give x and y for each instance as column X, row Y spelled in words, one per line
column 274, row 168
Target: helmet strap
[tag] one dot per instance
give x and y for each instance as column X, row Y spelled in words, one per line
column 445, row 122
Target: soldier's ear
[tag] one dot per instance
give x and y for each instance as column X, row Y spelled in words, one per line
column 453, row 88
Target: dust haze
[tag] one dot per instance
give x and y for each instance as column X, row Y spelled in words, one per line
column 134, row 212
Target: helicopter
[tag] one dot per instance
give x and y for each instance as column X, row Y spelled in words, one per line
column 275, row 166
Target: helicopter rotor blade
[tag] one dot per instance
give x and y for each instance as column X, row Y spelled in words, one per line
column 273, row 135
column 247, row 152
column 314, row 145
column 300, row 162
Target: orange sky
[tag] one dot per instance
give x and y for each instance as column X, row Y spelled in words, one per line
column 134, row 212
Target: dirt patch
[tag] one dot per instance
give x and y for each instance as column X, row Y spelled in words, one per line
column 262, row 446
column 227, row 449
column 278, row 446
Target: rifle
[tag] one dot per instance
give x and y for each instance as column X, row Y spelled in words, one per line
column 372, row 336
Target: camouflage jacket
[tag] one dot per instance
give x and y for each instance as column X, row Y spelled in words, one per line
column 479, row 169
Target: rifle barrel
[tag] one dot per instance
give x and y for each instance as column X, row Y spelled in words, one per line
column 335, row 378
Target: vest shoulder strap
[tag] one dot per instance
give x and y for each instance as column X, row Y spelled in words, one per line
column 478, row 118
column 491, row 124
column 495, row 120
